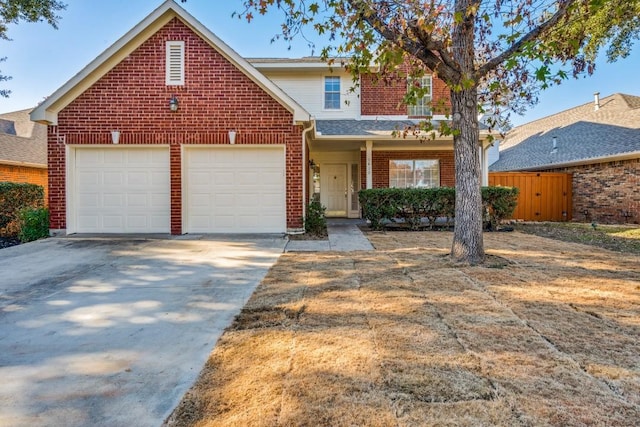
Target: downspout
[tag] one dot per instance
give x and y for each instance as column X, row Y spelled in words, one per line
column 305, row 167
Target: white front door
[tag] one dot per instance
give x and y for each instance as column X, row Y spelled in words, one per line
column 333, row 191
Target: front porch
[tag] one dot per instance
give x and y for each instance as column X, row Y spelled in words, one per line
column 345, row 156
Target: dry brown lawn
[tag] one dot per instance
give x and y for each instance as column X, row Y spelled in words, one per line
column 545, row 333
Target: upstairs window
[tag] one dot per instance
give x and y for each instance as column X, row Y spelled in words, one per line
column 332, row 93
column 175, row 63
column 422, row 106
column 414, row 173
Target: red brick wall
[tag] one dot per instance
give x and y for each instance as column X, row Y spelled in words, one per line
column 216, row 98
column 22, row 174
column 605, row 190
column 385, row 97
column 380, row 165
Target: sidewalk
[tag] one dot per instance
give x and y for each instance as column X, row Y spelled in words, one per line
column 344, row 236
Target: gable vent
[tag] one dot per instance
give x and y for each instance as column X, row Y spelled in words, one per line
column 175, row 63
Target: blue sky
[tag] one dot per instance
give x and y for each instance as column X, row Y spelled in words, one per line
column 41, row 59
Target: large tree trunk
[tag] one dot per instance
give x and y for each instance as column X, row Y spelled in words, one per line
column 468, row 245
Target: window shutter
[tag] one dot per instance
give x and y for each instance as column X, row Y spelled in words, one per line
column 175, row 63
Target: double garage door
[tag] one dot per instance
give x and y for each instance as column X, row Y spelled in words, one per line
column 224, row 190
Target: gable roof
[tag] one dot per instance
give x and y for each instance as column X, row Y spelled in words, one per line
column 22, row 142
column 584, row 135
column 47, row 111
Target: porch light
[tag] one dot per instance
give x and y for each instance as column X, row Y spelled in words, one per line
column 312, row 164
column 173, row 103
column 115, row 136
column 232, row 137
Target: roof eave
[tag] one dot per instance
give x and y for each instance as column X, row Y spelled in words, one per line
column 23, row 164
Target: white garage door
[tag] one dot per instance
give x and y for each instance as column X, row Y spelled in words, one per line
column 122, row 190
column 235, row 190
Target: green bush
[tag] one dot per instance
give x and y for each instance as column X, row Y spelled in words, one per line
column 498, row 203
column 380, row 204
column 13, row 198
column 409, row 204
column 412, row 205
column 34, row 224
column 314, row 221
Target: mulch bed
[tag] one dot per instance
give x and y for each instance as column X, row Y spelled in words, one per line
column 6, row 242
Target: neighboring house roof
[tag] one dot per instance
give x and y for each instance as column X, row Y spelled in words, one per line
column 584, row 135
column 22, row 142
column 47, row 112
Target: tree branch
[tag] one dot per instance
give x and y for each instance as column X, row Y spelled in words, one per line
column 531, row 35
column 432, row 58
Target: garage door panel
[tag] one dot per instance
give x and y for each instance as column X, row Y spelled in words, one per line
column 246, row 189
column 199, row 178
column 246, row 201
column 111, row 178
column 138, row 178
column 112, row 223
column 222, row 201
column 88, row 178
column 122, row 190
column 112, row 158
column 88, row 200
column 113, row 201
column 89, row 157
column 247, row 178
column 160, row 200
column 138, row 200
column 223, row 178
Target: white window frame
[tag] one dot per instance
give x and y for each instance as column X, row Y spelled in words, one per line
column 422, row 108
column 413, row 177
column 332, row 92
column 174, row 63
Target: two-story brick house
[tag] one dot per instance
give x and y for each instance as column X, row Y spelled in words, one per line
column 170, row 130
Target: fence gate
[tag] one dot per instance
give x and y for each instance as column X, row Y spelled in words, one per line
column 544, row 196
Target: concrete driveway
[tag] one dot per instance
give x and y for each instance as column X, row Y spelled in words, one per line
column 113, row 331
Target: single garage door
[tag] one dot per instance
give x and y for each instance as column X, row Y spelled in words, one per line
column 235, row 190
column 122, row 190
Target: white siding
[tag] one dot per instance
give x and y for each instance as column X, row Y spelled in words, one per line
column 307, row 88
column 494, row 153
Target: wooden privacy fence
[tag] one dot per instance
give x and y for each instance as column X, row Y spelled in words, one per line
column 544, row 196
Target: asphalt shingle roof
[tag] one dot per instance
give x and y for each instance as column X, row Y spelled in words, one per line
column 364, row 128
column 582, row 133
column 26, row 142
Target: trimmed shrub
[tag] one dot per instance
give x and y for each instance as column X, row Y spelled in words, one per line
column 498, row 203
column 412, row 205
column 314, row 221
column 34, row 224
column 13, row 198
column 380, row 204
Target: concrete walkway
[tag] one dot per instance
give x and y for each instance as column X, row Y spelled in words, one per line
column 344, row 236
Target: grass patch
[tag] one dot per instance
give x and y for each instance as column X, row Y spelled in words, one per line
column 613, row 237
column 545, row 334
